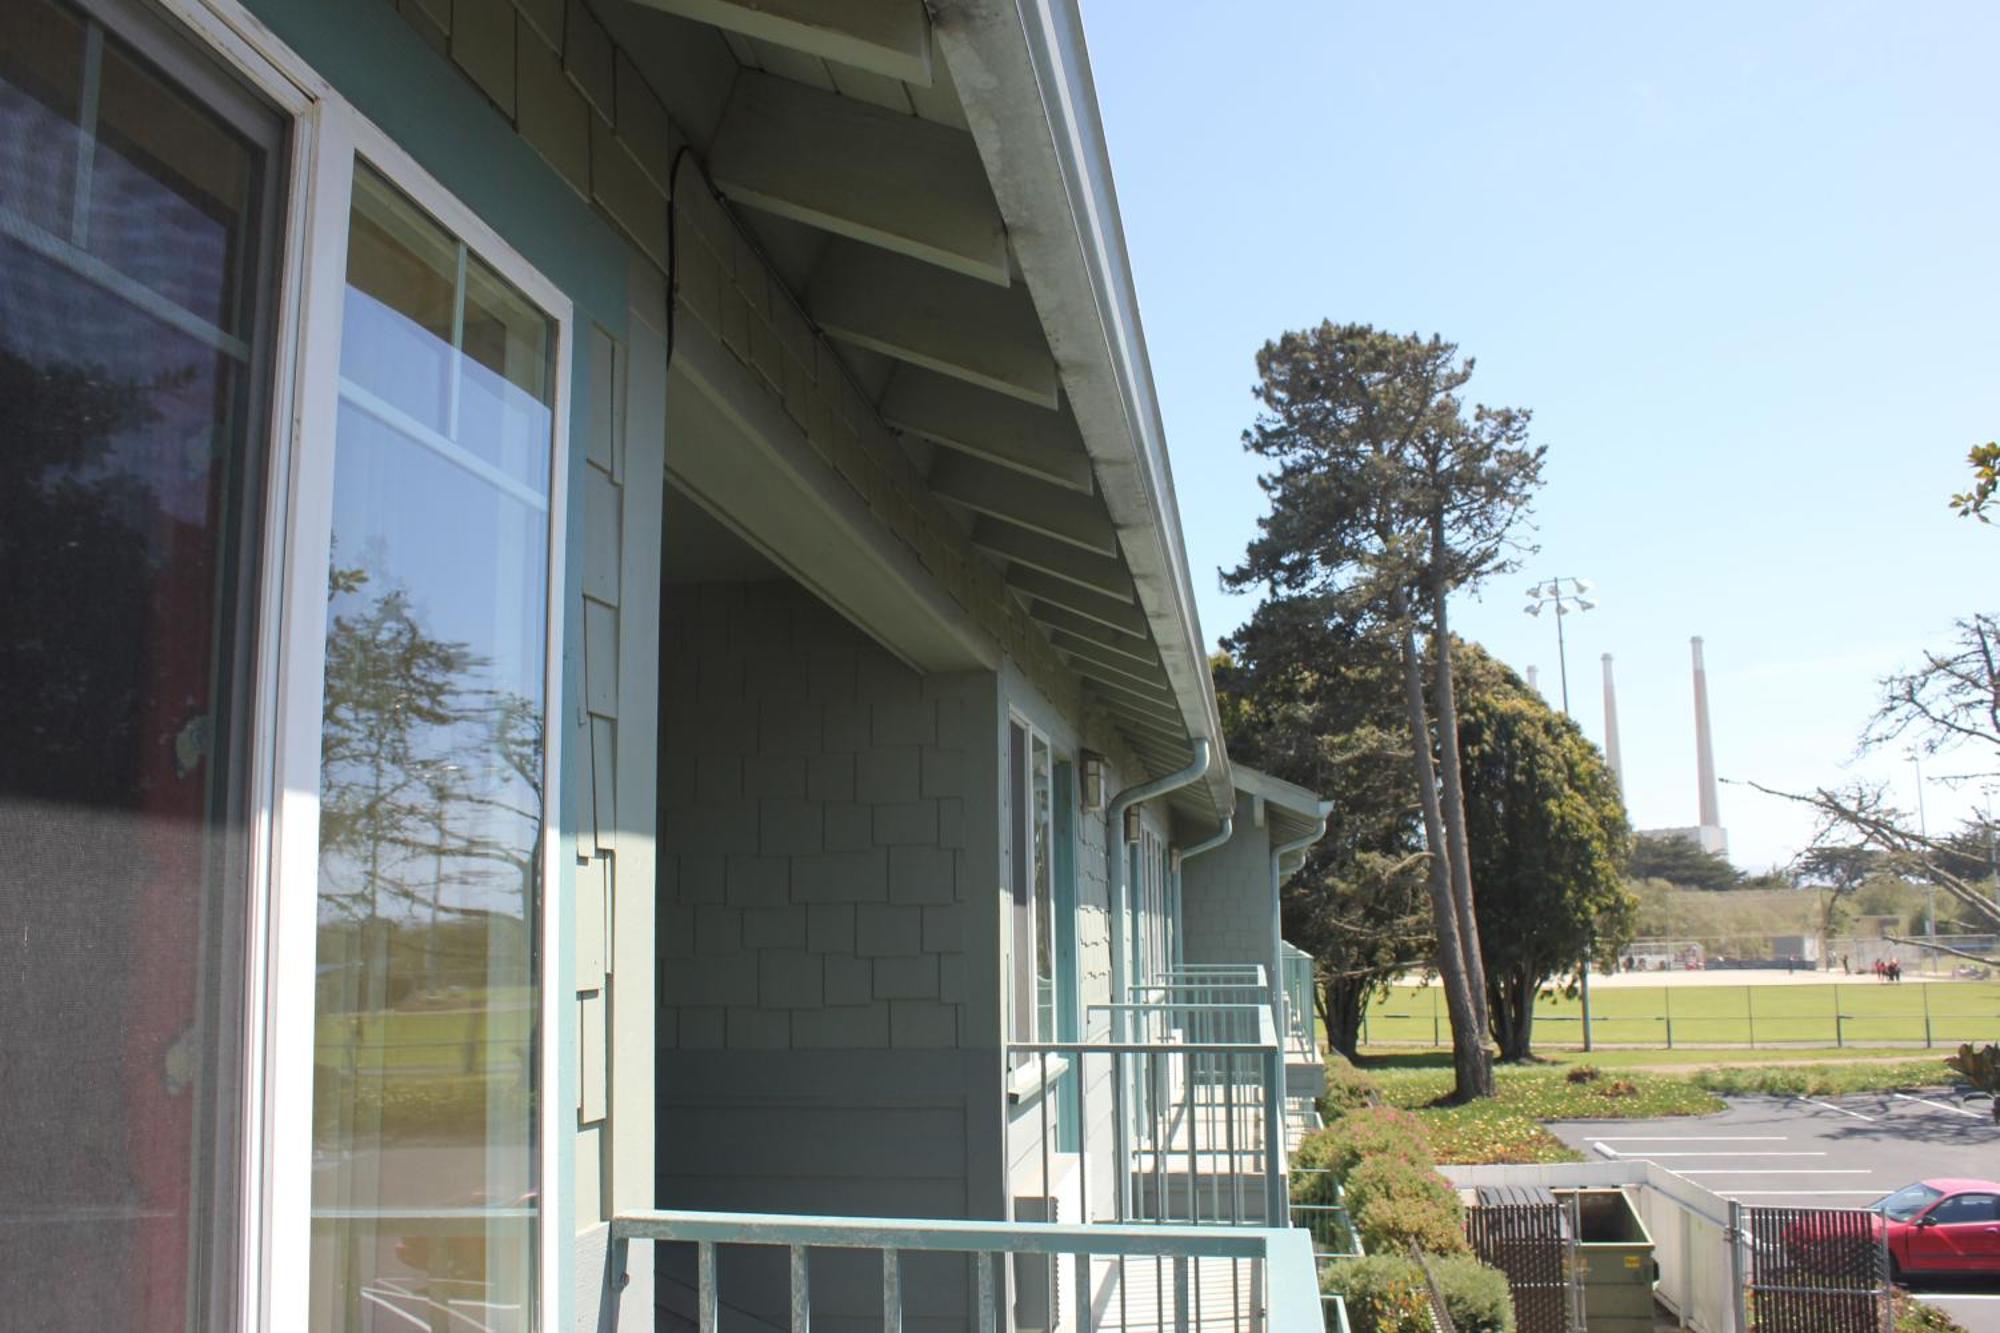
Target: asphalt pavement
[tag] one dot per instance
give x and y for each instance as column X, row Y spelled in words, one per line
column 1835, row 1152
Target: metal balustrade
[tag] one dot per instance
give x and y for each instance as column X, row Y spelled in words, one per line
column 1297, row 979
column 1175, row 1116
column 1279, row 1291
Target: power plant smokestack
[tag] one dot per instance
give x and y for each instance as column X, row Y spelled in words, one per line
column 1611, row 752
column 1711, row 835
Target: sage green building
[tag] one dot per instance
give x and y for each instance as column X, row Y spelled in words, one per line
column 606, row 724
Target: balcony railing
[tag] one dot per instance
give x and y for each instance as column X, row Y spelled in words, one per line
column 948, row 1270
column 1297, row 979
column 1175, row 1115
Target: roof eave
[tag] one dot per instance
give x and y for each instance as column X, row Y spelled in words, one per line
column 1023, row 75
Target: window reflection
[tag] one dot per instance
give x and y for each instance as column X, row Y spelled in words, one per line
column 431, row 823
column 131, row 389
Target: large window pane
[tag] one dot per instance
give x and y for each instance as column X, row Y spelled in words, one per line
column 130, row 435
column 425, row 1194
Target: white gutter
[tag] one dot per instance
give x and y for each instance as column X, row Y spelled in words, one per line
column 1114, row 862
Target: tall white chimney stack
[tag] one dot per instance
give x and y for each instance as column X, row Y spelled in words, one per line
column 1611, row 751
column 1711, row 834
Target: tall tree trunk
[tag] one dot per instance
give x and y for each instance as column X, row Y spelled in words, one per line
column 1340, row 1002
column 1474, row 1072
column 1513, row 1007
column 1456, row 842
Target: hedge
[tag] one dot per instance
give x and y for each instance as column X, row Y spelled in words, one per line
column 1395, row 1203
column 1386, row 1293
column 1347, row 1089
column 1325, row 1158
column 1379, row 1131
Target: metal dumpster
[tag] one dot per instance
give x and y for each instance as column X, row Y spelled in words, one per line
column 1615, row 1256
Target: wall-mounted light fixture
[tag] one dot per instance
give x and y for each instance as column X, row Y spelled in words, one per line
column 1093, row 781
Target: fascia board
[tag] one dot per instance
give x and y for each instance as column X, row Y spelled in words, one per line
column 1023, row 75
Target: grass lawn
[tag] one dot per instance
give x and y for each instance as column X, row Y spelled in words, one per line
column 1681, row 1057
column 1508, row 1128
column 471, row 1039
column 1848, row 1011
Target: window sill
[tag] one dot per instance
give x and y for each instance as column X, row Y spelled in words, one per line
column 1025, row 1080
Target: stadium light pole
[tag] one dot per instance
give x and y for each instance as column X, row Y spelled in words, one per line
column 1924, row 832
column 1566, row 597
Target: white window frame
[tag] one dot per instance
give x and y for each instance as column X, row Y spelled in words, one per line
column 327, row 134
column 1033, row 734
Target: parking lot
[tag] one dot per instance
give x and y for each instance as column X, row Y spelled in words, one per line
column 1841, row 1152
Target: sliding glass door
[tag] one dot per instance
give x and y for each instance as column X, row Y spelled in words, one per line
column 433, row 785
column 282, row 448
column 138, row 226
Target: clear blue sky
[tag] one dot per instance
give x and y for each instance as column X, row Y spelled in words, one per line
column 1742, row 260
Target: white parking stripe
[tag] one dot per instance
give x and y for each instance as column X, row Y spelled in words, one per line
column 1942, row 1106
column 1779, row 1171
column 1692, row 1138
column 1651, row 1153
column 1797, row 1194
column 1842, row 1109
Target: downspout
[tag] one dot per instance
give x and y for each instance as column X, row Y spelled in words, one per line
column 1278, row 854
column 1205, row 845
column 1114, row 857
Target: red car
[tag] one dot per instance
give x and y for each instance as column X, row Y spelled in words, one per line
column 1947, row 1225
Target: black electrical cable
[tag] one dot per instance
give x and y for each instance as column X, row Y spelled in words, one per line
column 673, row 253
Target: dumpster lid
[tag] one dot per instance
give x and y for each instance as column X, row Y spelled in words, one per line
column 1515, row 1196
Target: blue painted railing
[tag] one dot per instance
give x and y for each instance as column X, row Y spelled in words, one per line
column 1281, row 1293
column 1182, row 1104
column 1297, row 978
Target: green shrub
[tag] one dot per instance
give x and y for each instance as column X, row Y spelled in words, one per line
column 1385, row 1293
column 1347, row 1089
column 1396, row 1203
column 1475, row 1294
column 1313, row 1180
column 1326, row 1157
column 1377, row 1131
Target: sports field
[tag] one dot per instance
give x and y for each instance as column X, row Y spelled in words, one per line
column 1856, row 1012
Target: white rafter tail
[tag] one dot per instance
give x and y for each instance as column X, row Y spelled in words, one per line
column 860, row 171
column 931, row 317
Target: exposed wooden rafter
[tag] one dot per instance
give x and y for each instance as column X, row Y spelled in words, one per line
column 987, row 425
column 1054, row 619
column 1145, row 669
column 1047, row 591
column 861, row 171
column 1101, row 574
column 889, row 37
column 934, row 318
column 1156, row 704
column 986, row 488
